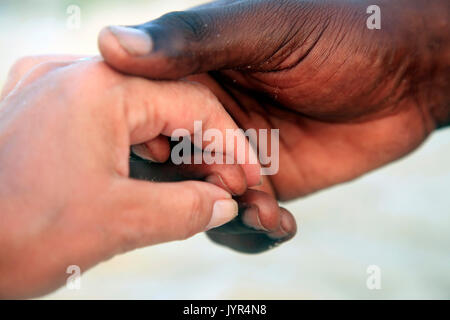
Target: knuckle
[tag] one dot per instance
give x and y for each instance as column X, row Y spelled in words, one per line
column 89, row 77
column 181, row 36
column 22, row 64
column 94, row 70
column 195, row 199
column 42, row 68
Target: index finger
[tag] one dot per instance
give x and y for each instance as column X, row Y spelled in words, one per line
column 192, row 112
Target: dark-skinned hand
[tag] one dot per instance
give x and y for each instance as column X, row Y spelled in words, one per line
column 347, row 99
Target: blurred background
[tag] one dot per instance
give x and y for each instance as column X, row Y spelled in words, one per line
column 397, row 218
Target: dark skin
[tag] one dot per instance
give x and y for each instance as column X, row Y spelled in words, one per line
column 347, row 100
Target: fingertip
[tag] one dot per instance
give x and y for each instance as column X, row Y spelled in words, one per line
column 230, row 178
column 159, row 148
column 133, row 51
column 288, row 227
column 112, row 51
column 223, row 212
column 288, row 222
column 135, row 42
column 142, row 151
column 250, row 218
column 223, row 208
column 268, row 209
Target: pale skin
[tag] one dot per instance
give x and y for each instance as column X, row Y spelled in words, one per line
column 66, row 127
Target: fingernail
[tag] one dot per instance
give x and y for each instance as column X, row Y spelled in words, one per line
column 218, row 181
column 223, row 211
column 285, row 223
column 250, row 218
column 142, row 152
column 281, row 233
column 136, row 42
